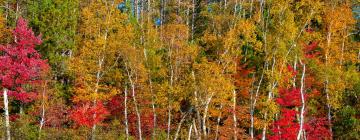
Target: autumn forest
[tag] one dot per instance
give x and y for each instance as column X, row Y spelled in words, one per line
column 180, row 69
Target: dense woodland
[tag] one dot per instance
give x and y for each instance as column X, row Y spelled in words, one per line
column 180, row 69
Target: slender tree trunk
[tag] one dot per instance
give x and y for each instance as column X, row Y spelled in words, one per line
column 132, row 84
column 264, row 129
column 17, row 10
column 169, row 122
column 42, row 121
column 179, row 126
column 253, row 104
column 6, row 109
column 326, row 85
column 234, row 115
column 152, row 100
column 302, row 92
column 251, row 7
column 6, row 11
column 98, row 75
column 225, row 4
column 273, row 85
column 193, row 20
column 218, row 124
column 198, row 118
column 328, row 107
column 198, row 135
column 136, row 110
column 205, row 115
column 189, row 134
column 235, row 8
column 93, row 130
column 169, row 104
column 126, row 114
column 154, row 111
column 172, row 77
column 187, row 16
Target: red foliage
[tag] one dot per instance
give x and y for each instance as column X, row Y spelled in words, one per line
column 286, row 127
column 310, row 50
column 317, row 129
column 292, row 70
column 14, row 117
column 147, row 123
column 116, row 106
column 20, row 63
column 289, row 98
column 87, row 115
column 56, row 115
column 309, row 30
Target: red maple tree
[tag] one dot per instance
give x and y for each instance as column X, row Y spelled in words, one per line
column 287, row 125
column 88, row 115
column 20, row 64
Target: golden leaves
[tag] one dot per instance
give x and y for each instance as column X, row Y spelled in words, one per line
column 104, row 38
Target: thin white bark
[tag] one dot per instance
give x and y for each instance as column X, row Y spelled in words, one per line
column 302, row 93
column 264, row 129
column 234, row 115
column 42, row 121
column 126, row 114
column 253, row 104
column 179, row 126
column 189, row 134
column 6, row 109
column 205, row 114
column 152, row 101
column 198, row 136
column 251, row 7
column 326, row 85
column 273, row 85
column 171, row 67
column 132, row 84
column 198, row 133
column 98, row 76
column 193, row 20
column 169, row 122
column 218, row 124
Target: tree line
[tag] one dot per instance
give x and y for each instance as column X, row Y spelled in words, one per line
column 180, row 69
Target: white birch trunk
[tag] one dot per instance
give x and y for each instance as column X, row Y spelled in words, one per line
column 168, row 123
column 6, row 109
column 193, row 20
column 42, row 121
column 136, row 110
column 189, row 134
column 179, row 126
column 234, row 114
column 302, row 92
column 326, row 86
column 253, row 105
column 198, row 136
column 205, row 114
column 152, row 101
column 218, row 124
column 132, row 84
column 126, row 115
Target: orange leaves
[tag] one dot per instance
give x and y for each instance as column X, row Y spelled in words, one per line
column 311, row 50
column 89, row 115
column 339, row 17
